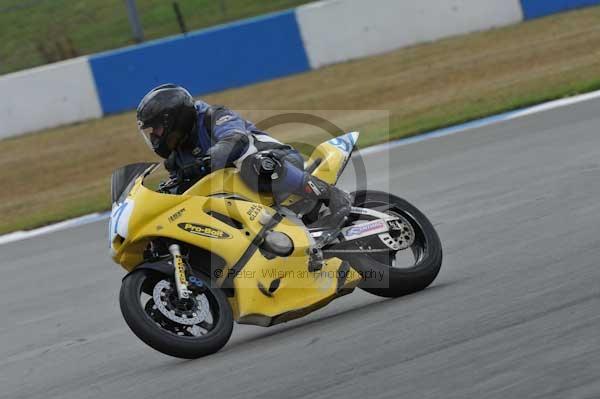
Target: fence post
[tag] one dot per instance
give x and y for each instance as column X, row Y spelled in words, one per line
column 223, row 7
column 134, row 21
column 180, row 19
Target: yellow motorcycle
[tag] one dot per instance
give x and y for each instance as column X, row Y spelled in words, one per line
column 220, row 252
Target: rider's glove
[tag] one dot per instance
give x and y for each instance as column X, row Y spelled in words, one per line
column 205, row 165
column 197, row 169
column 168, row 185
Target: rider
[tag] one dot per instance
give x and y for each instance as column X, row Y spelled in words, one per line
column 196, row 138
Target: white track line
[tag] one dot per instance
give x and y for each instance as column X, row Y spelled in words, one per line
column 492, row 120
column 67, row 224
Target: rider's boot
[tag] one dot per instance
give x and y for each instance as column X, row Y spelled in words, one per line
column 338, row 202
column 288, row 179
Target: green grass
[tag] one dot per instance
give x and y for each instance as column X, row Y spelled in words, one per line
column 30, row 35
column 447, row 117
column 66, row 210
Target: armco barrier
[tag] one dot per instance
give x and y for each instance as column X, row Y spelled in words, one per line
column 340, row 30
column 210, row 60
column 540, row 8
column 47, row 96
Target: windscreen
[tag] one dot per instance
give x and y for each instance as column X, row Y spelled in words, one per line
column 123, row 178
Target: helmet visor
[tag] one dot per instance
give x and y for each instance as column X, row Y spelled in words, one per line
column 152, row 134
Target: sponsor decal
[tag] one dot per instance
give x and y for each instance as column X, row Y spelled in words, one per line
column 365, row 228
column 224, row 119
column 205, row 231
column 176, row 215
column 180, row 269
column 342, row 144
column 119, row 220
column 117, row 213
column 254, row 211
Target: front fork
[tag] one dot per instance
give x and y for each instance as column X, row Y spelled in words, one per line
column 179, row 265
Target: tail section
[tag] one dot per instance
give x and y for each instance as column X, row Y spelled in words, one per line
column 329, row 159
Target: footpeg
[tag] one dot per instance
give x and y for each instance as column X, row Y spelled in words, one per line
column 315, row 260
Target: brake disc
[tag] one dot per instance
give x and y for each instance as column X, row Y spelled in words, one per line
column 199, row 312
column 401, row 235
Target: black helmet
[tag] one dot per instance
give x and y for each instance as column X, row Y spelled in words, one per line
column 166, row 118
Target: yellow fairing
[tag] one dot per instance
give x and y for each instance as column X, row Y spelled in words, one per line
column 227, row 181
column 264, row 291
column 174, row 216
column 331, row 158
column 297, row 287
column 299, row 291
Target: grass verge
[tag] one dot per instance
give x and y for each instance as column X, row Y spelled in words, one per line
column 64, row 172
column 37, row 32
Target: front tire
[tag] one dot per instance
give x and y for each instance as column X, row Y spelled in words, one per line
column 165, row 335
column 379, row 277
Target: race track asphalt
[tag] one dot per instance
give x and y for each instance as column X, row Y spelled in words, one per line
column 514, row 313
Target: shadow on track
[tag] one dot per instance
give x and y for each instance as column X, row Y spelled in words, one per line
column 300, row 325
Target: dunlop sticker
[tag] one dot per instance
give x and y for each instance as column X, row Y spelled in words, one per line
column 205, row 231
column 176, row 215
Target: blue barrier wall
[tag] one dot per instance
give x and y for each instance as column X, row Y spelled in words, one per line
column 540, row 8
column 215, row 59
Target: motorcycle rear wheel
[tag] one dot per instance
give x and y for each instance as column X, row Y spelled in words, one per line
column 157, row 324
column 379, row 276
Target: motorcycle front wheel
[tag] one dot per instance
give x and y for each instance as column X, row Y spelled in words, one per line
column 189, row 328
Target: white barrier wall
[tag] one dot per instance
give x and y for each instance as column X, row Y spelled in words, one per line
column 339, row 30
column 47, row 96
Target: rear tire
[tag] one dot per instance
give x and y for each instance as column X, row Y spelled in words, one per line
column 149, row 331
column 380, row 278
